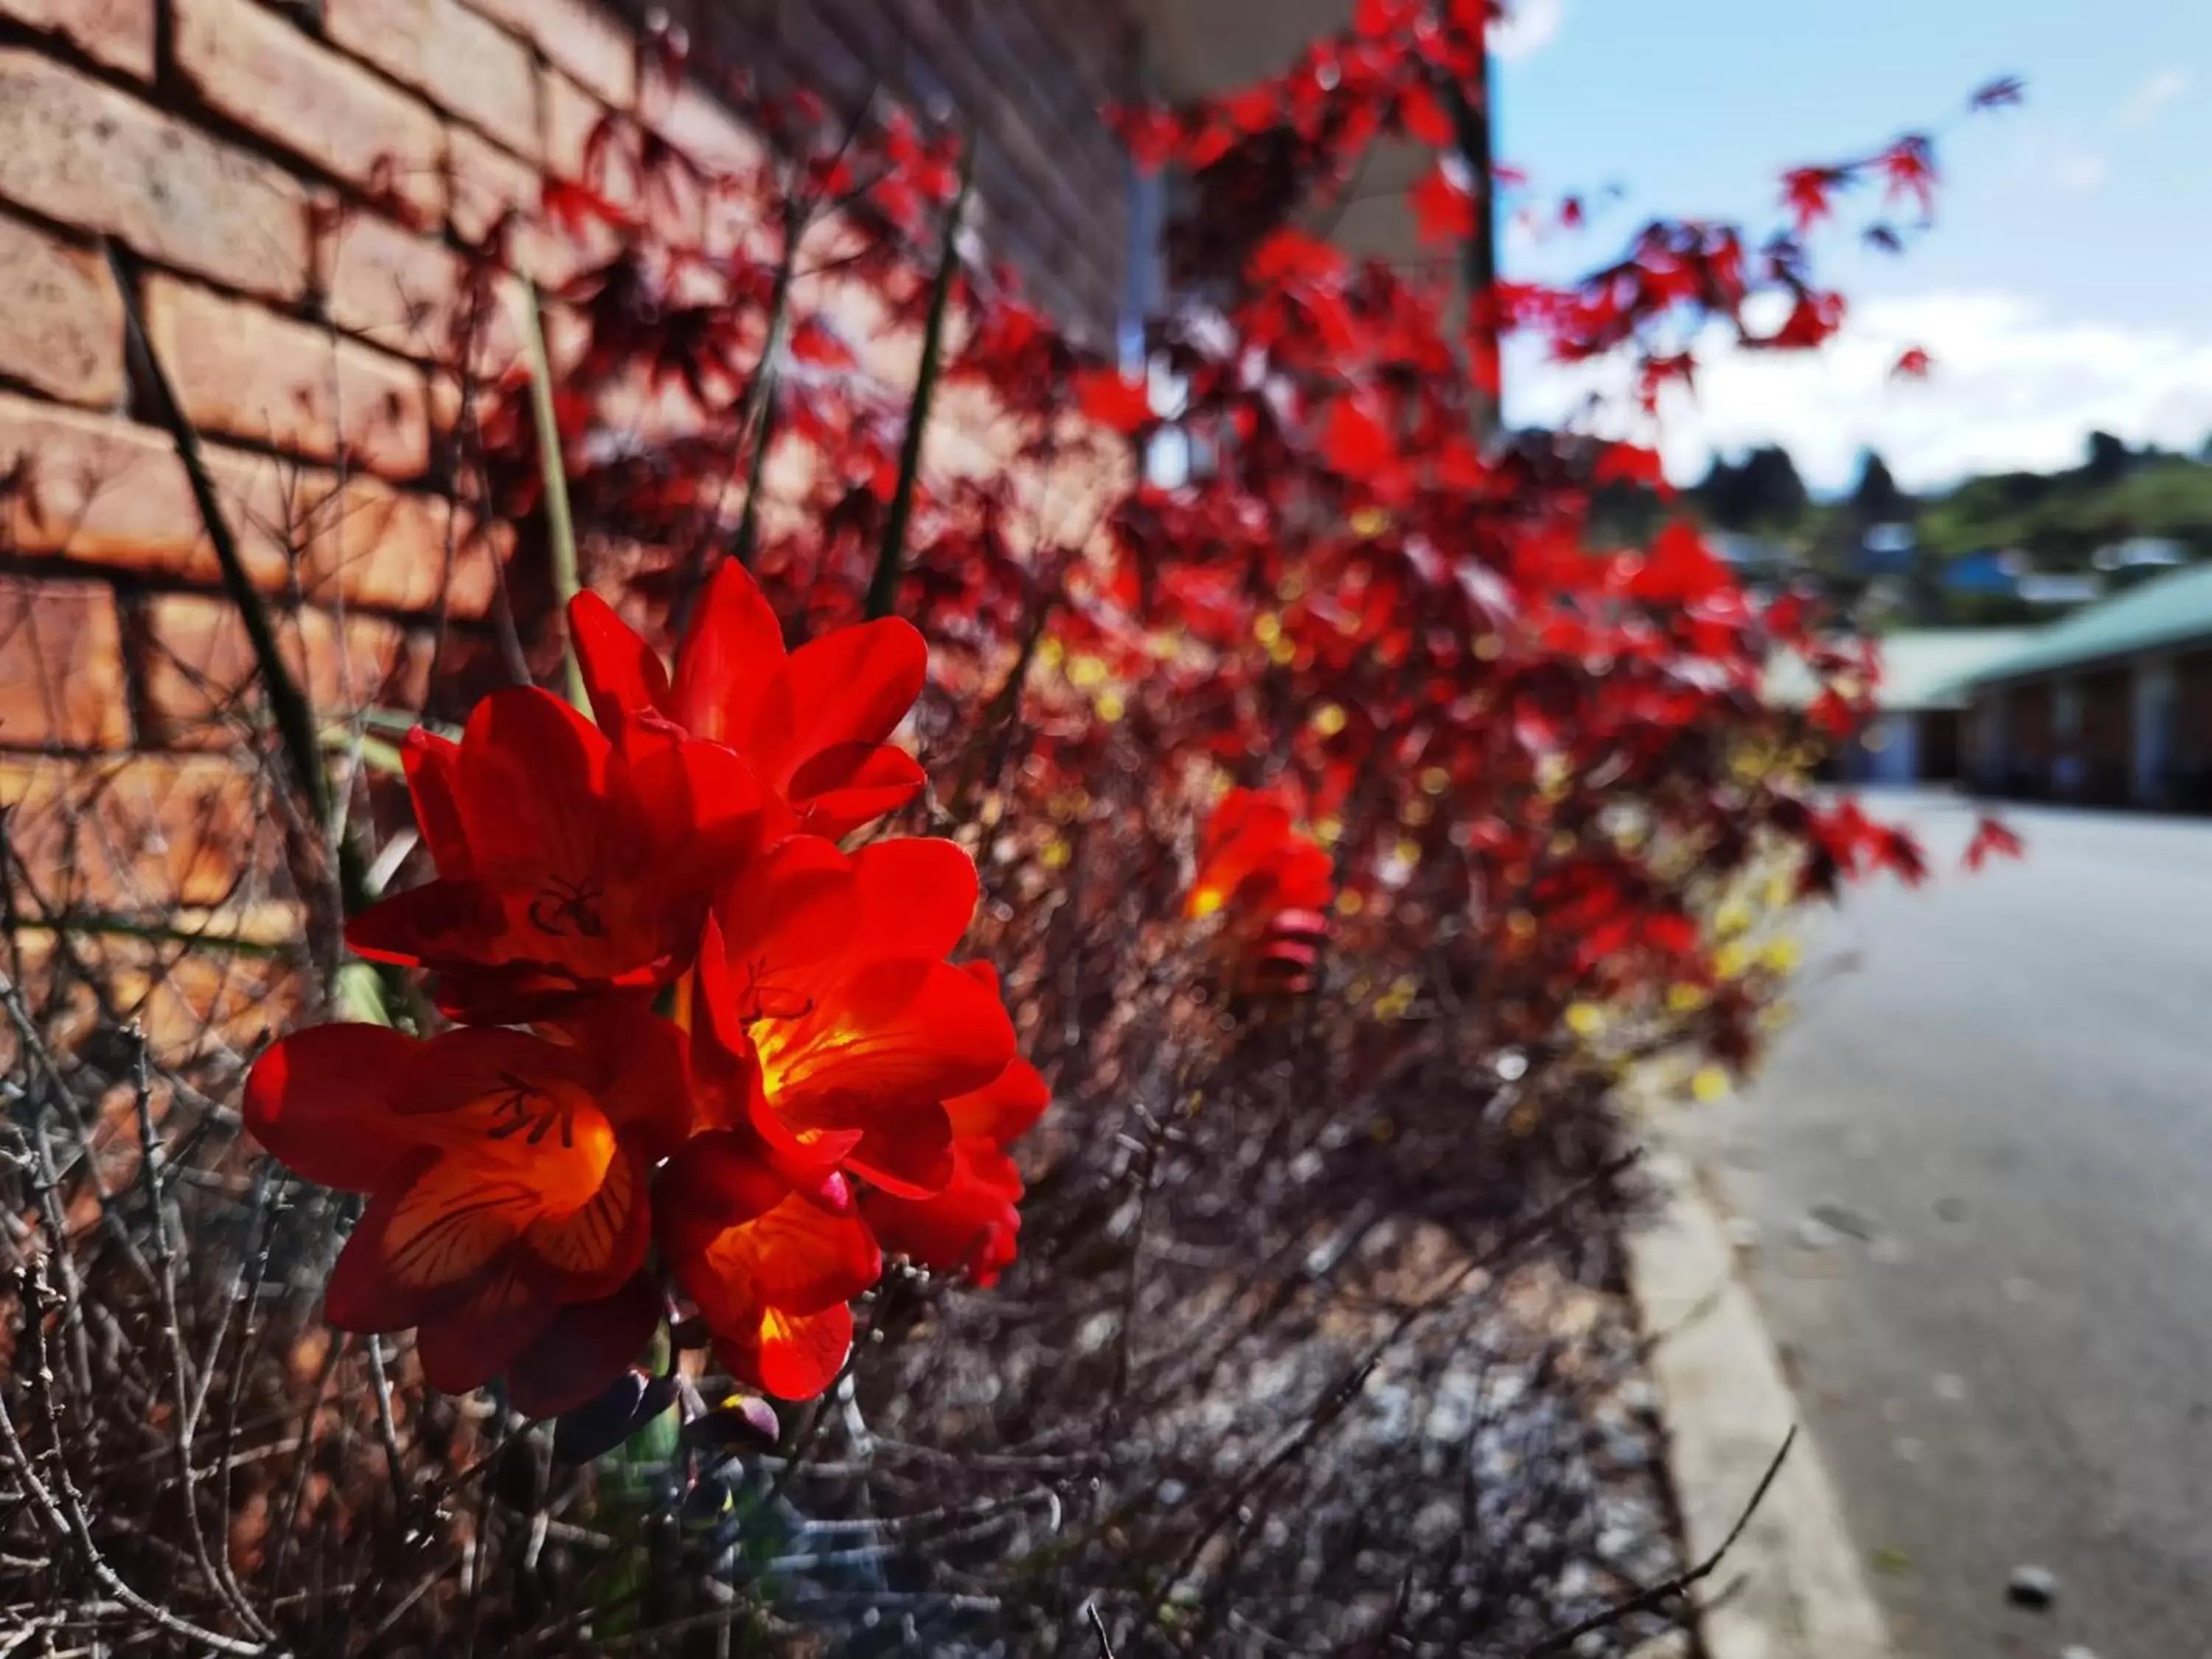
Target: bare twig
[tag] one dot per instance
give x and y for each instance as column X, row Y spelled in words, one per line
column 1098, row 1628
column 1671, row 1592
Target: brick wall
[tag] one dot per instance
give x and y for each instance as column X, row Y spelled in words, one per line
column 294, row 191
column 1028, row 76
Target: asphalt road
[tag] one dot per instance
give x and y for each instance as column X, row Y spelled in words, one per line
column 1978, row 1173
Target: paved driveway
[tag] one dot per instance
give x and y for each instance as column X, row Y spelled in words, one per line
column 1979, row 1169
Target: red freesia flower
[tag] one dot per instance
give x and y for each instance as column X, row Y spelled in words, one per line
column 812, row 723
column 564, row 866
column 507, row 1177
column 972, row 1225
column 827, row 1019
column 770, row 1265
column 1275, row 882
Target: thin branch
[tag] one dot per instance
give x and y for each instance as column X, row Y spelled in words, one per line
column 1098, row 1626
column 1673, row 1589
column 59, row 1504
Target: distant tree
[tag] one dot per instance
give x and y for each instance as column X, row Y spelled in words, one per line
column 1762, row 492
column 2109, row 459
column 1876, row 499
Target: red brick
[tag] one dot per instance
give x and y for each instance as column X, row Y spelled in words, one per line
column 61, row 329
column 388, row 285
column 61, row 666
column 109, row 492
column 255, row 66
column 573, row 118
column 117, row 32
column 143, row 835
column 200, row 674
column 241, row 370
column 401, row 551
column 702, row 127
column 188, row 999
column 486, row 183
column 88, row 156
column 489, row 185
column 588, row 41
column 463, row 64
column 500, row 345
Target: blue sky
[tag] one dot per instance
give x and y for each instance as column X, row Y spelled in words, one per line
column 2068, row 283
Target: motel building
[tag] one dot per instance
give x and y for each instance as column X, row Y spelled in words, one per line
column 2110, row 706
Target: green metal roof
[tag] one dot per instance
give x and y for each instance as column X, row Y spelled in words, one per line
column 1920, row 668
column 2173, row 610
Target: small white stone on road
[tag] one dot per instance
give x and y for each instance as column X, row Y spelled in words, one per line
column 1949, row 1385
column 2033, row 1587
column 1813, row 1235
column 1908, row 1448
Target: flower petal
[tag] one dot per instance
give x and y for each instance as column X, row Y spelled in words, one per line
column 740, row 1239
column 621, row 672
column 730, row 657
column 593, row 1249
column 432, row 764
column 633, row 1060
column 464, row 1347
column 533, row 784
column 369, row 1291
column 705, row 812
column 320, row 1100
column 511, row 1109
column 917, row 894
column 445, row 922
column 894, row 1034
column 796, row 906
column 801, row 1355
column 972, row 1226
column 908, row 1153
column 586, row 1347
column 1004, row 1110
column 852, row 685
column 842, row 787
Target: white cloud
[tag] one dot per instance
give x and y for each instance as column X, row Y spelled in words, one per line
column 1529, row 27
column 2012, row 387
column 2148, row 101
column 2083, row 170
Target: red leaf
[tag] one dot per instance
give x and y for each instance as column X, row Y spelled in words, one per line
column 1371, row 18
column 1992, row 840
column 1912, row 364
column 1355, row 442
column 1806, row 191
column 1425, row 119
column 1125, row 406
column 1626, row 463
column 1443, row 210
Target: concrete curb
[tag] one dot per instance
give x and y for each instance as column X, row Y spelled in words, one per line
column 1792, row 1588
